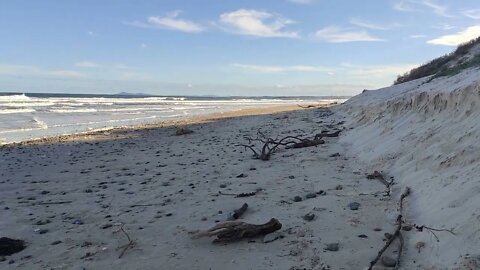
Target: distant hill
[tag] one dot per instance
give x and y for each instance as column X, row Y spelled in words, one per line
column 130, row 94
column 465, row 56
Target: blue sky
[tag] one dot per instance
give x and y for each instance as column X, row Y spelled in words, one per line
column 224, row 47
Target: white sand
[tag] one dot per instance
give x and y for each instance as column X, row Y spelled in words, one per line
column 182, row 176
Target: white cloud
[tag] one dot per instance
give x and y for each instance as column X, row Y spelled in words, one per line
column 457, row 38
column 256, row 23
column 443, row 26
column 143, row 46
column 422, row 5
column 378, row 70
column 369, row 25
column 335, row 34
column 32, row 71
column 472, row 13
column 280, row 69
column 170, row 22
column 87, row 64
column 91, row 33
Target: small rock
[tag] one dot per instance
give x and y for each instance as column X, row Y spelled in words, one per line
column 388, row 235
column 11, row 261
column 43, row 231
column 311, row 195
column 407, row 228
column 242, row 175
column 354, row 205
column 106, row 226
column 332, row 247
column 42, row 222
column 363, row 236
column 339, row 187
column 377, row 229
column 88, row 190
column 77, row 222
column 223, row 186
column 168, row 214
column 55, row 242
column 291, row 177
column 297, row 199
column 321, row 192
column 309, row 217
column 388, row 261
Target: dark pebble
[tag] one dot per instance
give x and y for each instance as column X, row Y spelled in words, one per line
column 56, row 242
column 106, row 226
column 311, row 195
column 309, row 217
column 354, row 206
column 297, row 199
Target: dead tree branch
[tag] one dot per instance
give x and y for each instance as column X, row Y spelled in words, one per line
column 396, row 234
column 271, row 145
column 130, row 243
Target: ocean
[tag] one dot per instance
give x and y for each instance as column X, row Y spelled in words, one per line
column 33, row 115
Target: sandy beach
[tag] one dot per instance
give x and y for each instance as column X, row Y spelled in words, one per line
column 130, row 198
column 68, row 199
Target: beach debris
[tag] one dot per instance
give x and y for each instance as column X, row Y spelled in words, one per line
column 9, row 246
column 183, row 131
column 396, row 234
column 271, row 145
column 241, row 195
column 130, row 243
column 332, row 247
column 236, row 230
column 379, row 176
column 311, row 195
column 419, row 245
column 238, row 212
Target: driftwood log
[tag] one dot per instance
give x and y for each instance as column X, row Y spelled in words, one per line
column 238, row 212
column 236, row 230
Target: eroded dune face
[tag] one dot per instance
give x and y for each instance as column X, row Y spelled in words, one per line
column 427, row 135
